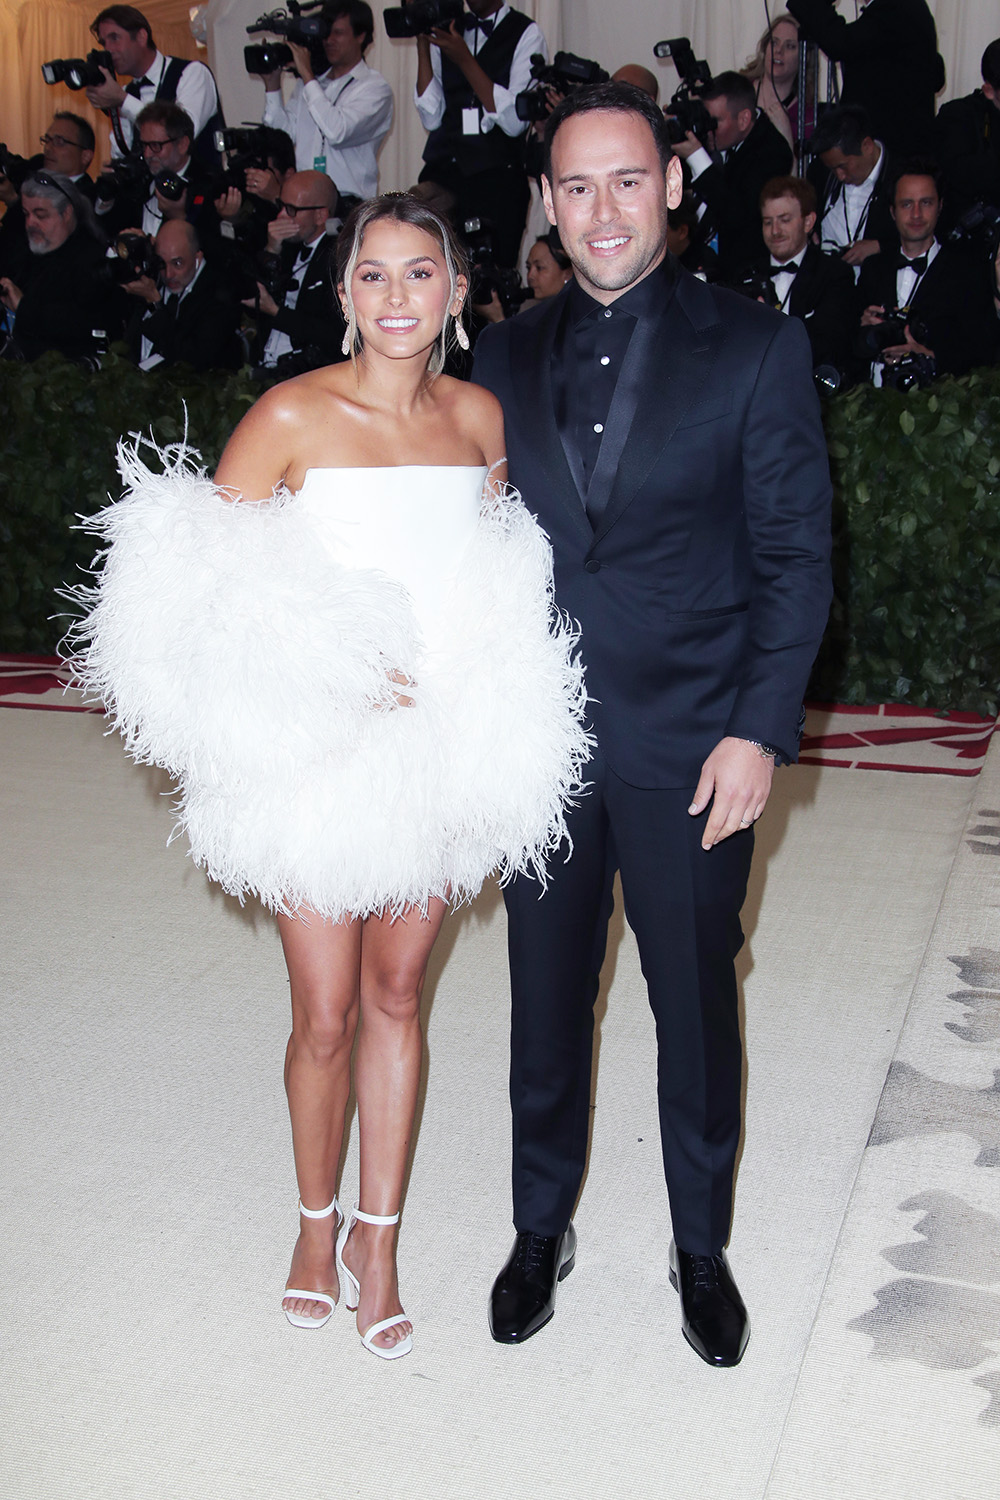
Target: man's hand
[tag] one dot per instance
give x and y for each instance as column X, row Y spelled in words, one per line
column 229, row 203
column 859, row 251
column 872, row 316
column 452, row 44
column 896, row 352
column 10, row 295
column 106, row 95
column 302, row 58
column 145, row 287
column 279, row 230
column 263, row 184
column 492, row 310
column 740, row 777
column 687, row 147
column 265, row 302
column 170, row 209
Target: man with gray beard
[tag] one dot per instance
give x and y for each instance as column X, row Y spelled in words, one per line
column 67, row 302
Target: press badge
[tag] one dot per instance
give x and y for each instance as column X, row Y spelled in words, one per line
column 470, row 122
column 319, row 163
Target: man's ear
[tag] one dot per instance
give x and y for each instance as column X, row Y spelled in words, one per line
column 745, row 120
column 550, row 212
column 809, row 224
column 675, row 182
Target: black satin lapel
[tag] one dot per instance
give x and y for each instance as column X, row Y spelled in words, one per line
column 679, row 358
column 531, row 372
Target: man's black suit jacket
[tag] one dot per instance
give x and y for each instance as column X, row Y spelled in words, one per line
column 730, row 191
column 953, row 300
column 889, row 61
column 202, row 332
column 703, row 594
column 199, row 209
column 315, row 324
column 823, row 297
column 879, row 223
column 968, row 148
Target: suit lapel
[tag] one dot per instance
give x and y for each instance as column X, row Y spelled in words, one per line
column 678, row 351
column 531, row 358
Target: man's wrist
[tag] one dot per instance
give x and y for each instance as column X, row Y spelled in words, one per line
column 763, row 749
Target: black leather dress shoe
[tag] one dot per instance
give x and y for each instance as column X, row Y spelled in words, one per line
column 713, row 1318
column 524, row 1294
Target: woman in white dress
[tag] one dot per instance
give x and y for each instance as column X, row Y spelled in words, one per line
column 439, row 730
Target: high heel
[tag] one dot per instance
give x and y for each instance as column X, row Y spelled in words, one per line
column 352, row 1287
column 300, row 1320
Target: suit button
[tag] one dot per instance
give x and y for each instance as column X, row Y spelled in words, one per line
column 592, row 565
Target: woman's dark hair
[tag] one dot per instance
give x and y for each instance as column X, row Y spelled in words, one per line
column 400, row 208
column 555, row 249
column 613, row 98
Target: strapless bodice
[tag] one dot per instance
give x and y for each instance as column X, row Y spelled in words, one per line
column 413, row 523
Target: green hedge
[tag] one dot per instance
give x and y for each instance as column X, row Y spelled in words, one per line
column 916, row 617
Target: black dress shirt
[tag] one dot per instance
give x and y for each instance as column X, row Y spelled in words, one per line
column 588, row 357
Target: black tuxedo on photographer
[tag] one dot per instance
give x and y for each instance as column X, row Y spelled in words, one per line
column 671, row 446
column 730, row 190
column 952, row 300
column 309, row 311
column 822, row 295
column 195, row 327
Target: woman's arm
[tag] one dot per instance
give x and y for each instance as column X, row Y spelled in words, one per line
column 482, row 416
column 263, row 449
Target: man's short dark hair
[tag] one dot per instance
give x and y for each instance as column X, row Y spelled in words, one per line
column 845, row 129
column 991, row 65
column 918, row 166
column 790, row 187
column 359, row 15
column 613, row 98
column 738, row 92
column 85, row 137
column 175, row 121
column 127, row 17
column 278, row 149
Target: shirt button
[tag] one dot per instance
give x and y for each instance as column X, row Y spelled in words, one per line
column 598, row 426
column 605, row 359
column 592, row 565
column 607, row 312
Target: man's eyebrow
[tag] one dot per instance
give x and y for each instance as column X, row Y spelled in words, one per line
column 618, row 172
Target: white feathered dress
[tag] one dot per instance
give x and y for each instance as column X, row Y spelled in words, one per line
column 247, row 648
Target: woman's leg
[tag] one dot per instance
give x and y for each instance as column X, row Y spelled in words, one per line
column 394, row 959
column 323, row 960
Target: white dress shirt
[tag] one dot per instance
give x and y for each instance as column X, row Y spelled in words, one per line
column 278, row 342
column 430, row 104
column 196, row 95
column 846, row 221
column 783, row 281
column 337, row 125
column 907, row 281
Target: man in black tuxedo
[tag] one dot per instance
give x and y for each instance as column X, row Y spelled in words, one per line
column 889, row 61
column 855, row 196
column 817, row 288
column 300, row 322
column 750, row 150
column 668, row 435
column 967, row 142
column 944, row 292
column 163, row 134
column 188, row 315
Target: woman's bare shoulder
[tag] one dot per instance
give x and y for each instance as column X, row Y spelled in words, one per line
column 474, row 401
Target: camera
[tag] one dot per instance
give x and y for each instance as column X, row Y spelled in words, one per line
column 130, row 257
column 756, row 285
column 244, row 146
column 487, row 276
column 686, row 110
column 421, row 17
column 892, row 332
column 15, row 168
column 267, row 57
column 305, row 30
column 915, row 370
column 564, row 74
column 130, row 175
column 978, row 229
column 79, row 72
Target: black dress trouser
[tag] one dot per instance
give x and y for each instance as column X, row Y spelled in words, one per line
column 683, row 904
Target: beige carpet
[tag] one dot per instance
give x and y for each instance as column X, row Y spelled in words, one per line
column 151, row 1202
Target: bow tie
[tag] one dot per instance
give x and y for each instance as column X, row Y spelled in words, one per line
column 485, row 26
column 136, row 87
column 917, row 265
column 790, row 267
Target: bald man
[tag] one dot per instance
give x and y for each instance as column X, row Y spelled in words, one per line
column 300, row 324
column 640, row 78
column 187, row 315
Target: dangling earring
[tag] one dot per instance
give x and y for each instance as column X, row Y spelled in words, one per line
column 345, row 347
column 460, row 334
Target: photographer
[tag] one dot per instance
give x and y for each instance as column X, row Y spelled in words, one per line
column 67, row 151
column 300, row 322
column 65, row 302
column 856, row 219
column 968, row 142
column 246, row 212
column 468, row 77
column 338, row 120
column 173, row 186
column 932, row 301
column 185, row 315
column 750, row 151
column 889, row 61
column 125, row 33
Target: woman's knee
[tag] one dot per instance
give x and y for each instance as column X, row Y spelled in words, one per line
column 324, row 1031
column 392, row 993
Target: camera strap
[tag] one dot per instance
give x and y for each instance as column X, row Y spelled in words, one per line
column 124, row 146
